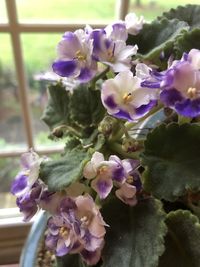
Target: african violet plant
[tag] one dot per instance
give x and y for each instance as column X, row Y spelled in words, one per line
column 122, row 194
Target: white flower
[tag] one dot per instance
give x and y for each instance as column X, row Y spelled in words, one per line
column 133, row 23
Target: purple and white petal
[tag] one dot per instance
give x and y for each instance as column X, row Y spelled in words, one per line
column 103, row 186
column 19, row 185
column 117, row 31
column 127, row 194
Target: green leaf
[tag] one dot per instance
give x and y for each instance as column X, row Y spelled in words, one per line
column 186, row 42
column 156, row 37
column 136, row 234
column 73, row 260
column 57, row 111
column 86, row 107
column 72, row 143
column 188, row 13
column 58, row 174
column 172, row 160
column 182, row 241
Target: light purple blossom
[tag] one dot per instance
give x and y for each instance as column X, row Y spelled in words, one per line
column 28, row 188
column 25, row 179
column 114, row 171
column 75, row 57
column 128, row 190
column 103, row 173
column 112, row 52
column 123, row 97
column 117, row 31
column 61, row 238
column 79, row 228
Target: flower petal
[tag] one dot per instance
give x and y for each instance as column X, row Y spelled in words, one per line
column 102, row 186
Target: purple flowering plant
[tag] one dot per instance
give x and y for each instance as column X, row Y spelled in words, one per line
column 126, row 103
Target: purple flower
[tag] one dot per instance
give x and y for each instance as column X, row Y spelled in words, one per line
column 61, row 238
column 28, row 188
column 28, row 203
column 180, row 84
column 79, row 228
column 117, row 31
column 101, row 171
column 105, row 174
column 128, row 190
column 127, row 194
column 75, row 57
column 112, row 52
column 123, row 97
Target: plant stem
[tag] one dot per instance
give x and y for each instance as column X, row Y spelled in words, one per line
column 116, row 147
column 99, row 76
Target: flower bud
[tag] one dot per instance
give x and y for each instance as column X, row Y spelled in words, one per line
column 131, row 145
column 107, row 125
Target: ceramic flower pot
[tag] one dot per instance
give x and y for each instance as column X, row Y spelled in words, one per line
column 30, row 250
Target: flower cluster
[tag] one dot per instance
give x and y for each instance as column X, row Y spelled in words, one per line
column 80, row 52
column 31, row 192
column 78, row 227
column 180, row 84
column 122, row 173
column 110, row 139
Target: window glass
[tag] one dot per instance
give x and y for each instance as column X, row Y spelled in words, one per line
column 12, row 134
column 39, row 52
column 150, row 9
column 70, row 10
column 8, row 170
column 3, row 14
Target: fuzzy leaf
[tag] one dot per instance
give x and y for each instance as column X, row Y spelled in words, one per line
column 182, row 241
column 58, row 174
column 136, row 234
column 187, row 13
column 70, row 261
column 156, row 37
column 172, row 160
column 57, row 111
column 86, row 107
column 187, row 41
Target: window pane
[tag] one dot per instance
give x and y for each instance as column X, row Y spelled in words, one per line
column 66, row 10
column 12, row 134
column 39, row 53
column 8, row 170
column 150, row 9
column 3, row 14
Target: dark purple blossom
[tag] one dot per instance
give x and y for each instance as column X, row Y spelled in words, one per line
column 179, row 84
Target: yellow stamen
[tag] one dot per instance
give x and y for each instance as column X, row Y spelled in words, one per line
column 127, row 98
column 130, row 179
column 63, row 232
column 85, row 220
column 192, row 92
column 103, row 170
column 80, row 56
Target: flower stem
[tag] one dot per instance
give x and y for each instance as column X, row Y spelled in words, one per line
column 116, row 147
